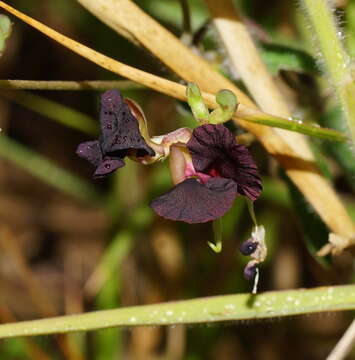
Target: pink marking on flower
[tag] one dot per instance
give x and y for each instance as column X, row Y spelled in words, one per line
column 191, row 172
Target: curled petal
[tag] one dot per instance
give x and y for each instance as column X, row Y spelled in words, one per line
column 215, row 151
column 119, row 128
column 193, row 202
column 107, row 166
column 90, row 151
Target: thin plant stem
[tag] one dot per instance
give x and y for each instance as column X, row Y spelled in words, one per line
column 344, row 346
column 202, row 310
column 336, row 61
column 186, row 16
column 112, row 258
column 95, row 85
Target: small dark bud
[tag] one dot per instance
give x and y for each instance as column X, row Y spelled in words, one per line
column 248, row 247
column 250, row 272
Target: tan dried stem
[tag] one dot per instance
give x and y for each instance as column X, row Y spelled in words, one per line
column 68, row 85
column 290, row 149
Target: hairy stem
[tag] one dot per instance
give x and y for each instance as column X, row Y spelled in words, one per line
column 211, row 309
column 336, row 60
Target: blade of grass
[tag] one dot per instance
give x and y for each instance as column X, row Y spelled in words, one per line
column 54, row 111
column 69, row 85
column 113, row 256
column 211, row 309
column 45, row 170
column 108, row 342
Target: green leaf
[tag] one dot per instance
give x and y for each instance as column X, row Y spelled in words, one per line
column 279, row 57
column 315, row 232
column 342, row 153
column 5, row 31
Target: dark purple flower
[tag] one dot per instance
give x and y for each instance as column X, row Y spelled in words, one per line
column 209, row 172
column 215, row 152
column 120, row 136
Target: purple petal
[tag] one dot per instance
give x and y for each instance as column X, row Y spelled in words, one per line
column 107, row 166
column 215, row 152
column 248, row 247
column 91, row 151
column 250, row 271
column 193, row 202
column 119, row 128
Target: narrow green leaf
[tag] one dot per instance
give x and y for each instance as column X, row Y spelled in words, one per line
column 45, row 170
column 54, row 111
column 315, row 232
column 5, row 31
column 342, row 153
column 279, row 57
column 203, row 310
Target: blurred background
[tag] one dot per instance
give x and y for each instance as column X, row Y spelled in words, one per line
column 69, row 244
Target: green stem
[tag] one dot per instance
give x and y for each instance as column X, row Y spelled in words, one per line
column 186, row 16
column 336, row 60
column 69, row 85
column 294, row 124
column 202, row 310
column 42, row 168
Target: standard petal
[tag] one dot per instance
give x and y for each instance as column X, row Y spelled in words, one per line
column 193, row 202
column 215, row 152
column 119, row 128
column 107, row 166
column 90, row 151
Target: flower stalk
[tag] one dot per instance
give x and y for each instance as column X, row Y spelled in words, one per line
column 217, row 233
